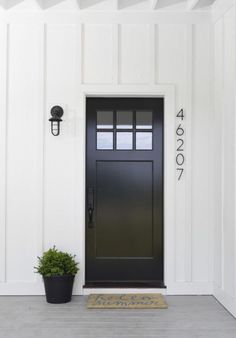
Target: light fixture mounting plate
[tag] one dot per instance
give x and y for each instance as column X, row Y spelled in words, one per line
column 57, row 112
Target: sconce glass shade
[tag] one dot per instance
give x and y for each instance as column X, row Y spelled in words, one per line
column 57, row 113
column 55, row 126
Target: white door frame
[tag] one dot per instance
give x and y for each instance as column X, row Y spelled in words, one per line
column 168, row 93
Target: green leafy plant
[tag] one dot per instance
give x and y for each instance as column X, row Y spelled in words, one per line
column 56, row 263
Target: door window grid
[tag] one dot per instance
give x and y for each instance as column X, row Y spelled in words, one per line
column 144, row 141
column 124, row 119
column 142, row 131
column 105, row 140
column 105, row 119
column 124, row 141
column 144, row 119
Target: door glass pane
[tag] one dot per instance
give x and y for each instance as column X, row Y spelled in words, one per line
column 143, row 119
column 104, row 140
column 124, row 119
column 143, row 141
column 124, row 141
column 105, row 119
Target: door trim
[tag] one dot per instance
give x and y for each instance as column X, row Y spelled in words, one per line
column 168, row 93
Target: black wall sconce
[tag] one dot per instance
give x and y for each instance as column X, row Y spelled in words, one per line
column 56, row 112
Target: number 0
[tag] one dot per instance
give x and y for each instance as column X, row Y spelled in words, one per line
column 180, row 159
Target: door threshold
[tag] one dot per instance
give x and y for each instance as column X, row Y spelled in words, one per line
column 125, row 285
column 89, row 291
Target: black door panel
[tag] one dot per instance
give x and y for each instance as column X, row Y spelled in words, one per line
column 124, row 187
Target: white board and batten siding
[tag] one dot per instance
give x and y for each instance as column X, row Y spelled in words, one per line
column 224, row 153
column 55, row 60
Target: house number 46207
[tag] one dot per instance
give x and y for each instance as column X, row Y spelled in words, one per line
column 180, row 159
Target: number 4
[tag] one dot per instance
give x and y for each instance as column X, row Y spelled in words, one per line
column 181, row 114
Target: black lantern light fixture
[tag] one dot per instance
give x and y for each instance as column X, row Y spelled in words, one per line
column 57, row 113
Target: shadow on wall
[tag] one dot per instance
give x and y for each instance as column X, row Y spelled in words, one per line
column 9, row 3
column 127, row 3
column 88, row 3
column 48, row 3
column 166, row 3
column 204, row 3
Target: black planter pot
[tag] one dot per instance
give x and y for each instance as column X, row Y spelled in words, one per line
column 58, row 288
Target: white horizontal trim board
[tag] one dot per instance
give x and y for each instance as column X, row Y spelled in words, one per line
column 37, row 288
column 197, row 288
column 88, row 17
column 22, row 288
column 190, row 288
column 103, row 5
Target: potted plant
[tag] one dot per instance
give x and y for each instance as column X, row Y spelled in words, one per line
column 58, row 270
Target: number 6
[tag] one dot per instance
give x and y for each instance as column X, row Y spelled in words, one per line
column 180, row 131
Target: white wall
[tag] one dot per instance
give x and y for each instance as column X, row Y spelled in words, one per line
column 52, row 58
column 225, row 179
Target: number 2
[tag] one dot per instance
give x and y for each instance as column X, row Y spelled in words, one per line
column 181, row 141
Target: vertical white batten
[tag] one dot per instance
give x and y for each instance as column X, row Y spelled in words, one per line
column 115, row 58
column 223, row 164
column 188, row 152
column 235, row 154
column 41, row 141
column 42, row 94
column 4, row 44
column 169, row 190
column 156, row 53
column 82, row 53
column 211, row 156
column 80, row 152
column 152, row 54
column 44, row 84
column 218, row 108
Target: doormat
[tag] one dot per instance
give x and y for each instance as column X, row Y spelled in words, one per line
column 127, row 301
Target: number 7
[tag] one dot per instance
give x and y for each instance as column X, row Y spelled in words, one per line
column 181, row 173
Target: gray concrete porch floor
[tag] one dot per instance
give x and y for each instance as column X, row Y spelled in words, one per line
column 186, row 317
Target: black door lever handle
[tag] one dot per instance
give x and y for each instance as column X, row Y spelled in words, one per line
column 90, row 207
column 90, row 217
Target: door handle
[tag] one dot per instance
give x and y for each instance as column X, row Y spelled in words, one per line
column 90, row 207
column 90, row 217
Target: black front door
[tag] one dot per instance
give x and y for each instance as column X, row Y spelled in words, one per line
column 124, row 192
